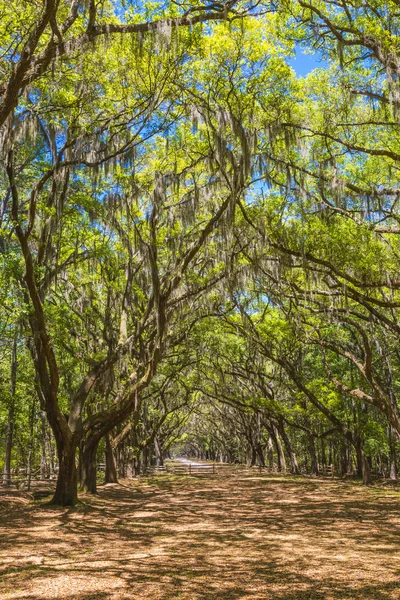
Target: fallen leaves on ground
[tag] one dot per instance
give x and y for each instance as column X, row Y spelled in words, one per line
column 233, row 537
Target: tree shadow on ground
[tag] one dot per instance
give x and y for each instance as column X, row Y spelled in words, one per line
column 233, row 537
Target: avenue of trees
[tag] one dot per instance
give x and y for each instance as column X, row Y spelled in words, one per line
column 199, row 249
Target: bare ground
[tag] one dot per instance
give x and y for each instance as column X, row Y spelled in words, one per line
column 226, row 538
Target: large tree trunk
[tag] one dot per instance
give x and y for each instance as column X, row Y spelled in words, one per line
column 158, row 453
column 344, row 465
column 66, row 490
column 293, row 459
column 253, row 456
column 10, row 417
column 111, row 469
column 358, row 449
column 88, row 466
column 270, row 453
column 293, row 462
column 145, row 459
column 366, row 470
column 122, row 462
column 279, row 450
column 363, row 468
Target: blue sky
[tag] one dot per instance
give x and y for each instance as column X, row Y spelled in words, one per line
column 304, row 63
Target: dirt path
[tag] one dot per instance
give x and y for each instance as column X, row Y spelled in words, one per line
column 231, row 538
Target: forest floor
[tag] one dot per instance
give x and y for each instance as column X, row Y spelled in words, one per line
column 242, row 536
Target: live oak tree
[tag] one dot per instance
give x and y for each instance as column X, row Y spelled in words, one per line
column 330, row 254
column 323, row 249
column 113, row 203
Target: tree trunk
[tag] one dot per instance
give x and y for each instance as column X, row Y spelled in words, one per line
column 260, row 453
column 253, row 457
column 52, row 453
column 136, row 463
column 11, row 414
column 293, row 462
column 358, row 450
column 111, row 469
column 330, row 454
column 323, row 453
column 29, row 470
column 393, row 466
column 88, row 466
column 159, row 454
column 9, row 444
column 66, row 489
column 145, row 460
column 279, row 450
column 122, row 462
column 366, row 470
column 270, row 453
column 31, row 447
column 313, row 455
column 289, row 449
column 363, row 467
column 393, row 458
column 44, row 465
column 344, row 460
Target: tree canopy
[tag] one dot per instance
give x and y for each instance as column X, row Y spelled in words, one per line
column 199, row 248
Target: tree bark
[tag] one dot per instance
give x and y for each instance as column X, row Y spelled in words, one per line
column 344, row 460
column 323, row 453
column 136, row 464
column 9, row 444
column 11, row 414
column 366, row 470
column 158, row 453
column 111, row 469
column 122, row 462
column 358, row 449
column 66, row 489
column 260, row 454
column 44, row 464
column 393, row 458
column 279, row 450
column 253, row 457
column 270, row 453
column 88, row 466
column 145, row 459
column 289, row 449
column 31, row 447
column 313, row 455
